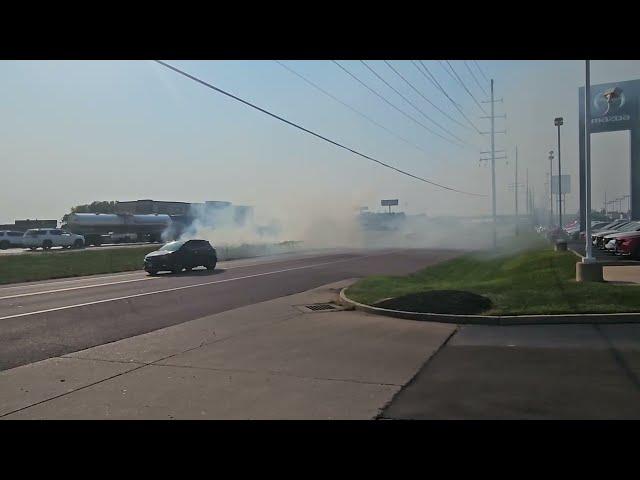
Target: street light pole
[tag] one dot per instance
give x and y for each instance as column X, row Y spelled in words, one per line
column 587, row 160
column 551, row 187
column 558, row 122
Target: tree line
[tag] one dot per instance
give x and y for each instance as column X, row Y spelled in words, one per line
column 93, row 207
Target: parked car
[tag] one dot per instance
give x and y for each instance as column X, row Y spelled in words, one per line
column 575, row 233
column 596, row 237
column 597, row 227
column 609, row 241
column 628, row 245
column 46, row 238
column 178, row 255
column 10, row 239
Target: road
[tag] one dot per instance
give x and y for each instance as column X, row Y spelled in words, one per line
column 41, row 320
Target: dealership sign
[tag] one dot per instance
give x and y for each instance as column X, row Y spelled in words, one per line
column 614, row 107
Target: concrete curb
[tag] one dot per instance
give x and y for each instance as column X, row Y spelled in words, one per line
column 589, row 318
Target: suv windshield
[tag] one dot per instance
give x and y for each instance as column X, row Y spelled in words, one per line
column 172, row 246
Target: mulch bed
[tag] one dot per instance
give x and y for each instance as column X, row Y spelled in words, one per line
column 439, row 301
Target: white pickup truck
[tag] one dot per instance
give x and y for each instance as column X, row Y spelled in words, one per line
column 54, row 237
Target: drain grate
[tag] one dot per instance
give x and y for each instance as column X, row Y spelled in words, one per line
column 321, row 306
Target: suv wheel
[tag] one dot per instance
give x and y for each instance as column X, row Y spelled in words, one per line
column 211, row 266
column 177, row 269
column 78, row 243
column 47, row 244
column 4, row 245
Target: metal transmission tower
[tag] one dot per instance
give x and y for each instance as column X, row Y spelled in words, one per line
column 493, row 132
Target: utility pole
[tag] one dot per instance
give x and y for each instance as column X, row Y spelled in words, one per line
column 605, row 204
column 528, row 209
column 533, row 200
column 493, row 160
column 516, row 183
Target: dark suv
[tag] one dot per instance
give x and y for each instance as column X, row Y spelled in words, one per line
column 10, row 239
column 176, row 256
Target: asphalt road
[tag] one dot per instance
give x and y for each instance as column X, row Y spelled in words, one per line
column 40, row 320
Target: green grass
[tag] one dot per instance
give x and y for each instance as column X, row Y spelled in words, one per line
column 535, row 281
column 47, row 265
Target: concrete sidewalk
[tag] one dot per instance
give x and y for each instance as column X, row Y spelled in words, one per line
column 551, row 372
column 622, row 274
column 269, row 360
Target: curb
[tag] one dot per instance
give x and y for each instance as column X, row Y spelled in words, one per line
column 566, row 319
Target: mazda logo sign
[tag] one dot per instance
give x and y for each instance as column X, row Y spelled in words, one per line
column 608, row 101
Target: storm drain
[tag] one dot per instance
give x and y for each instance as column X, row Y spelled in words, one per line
column 319, row 307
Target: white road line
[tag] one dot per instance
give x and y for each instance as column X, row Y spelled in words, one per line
column 63, row 282
column 140, row 272
column 82, row 287
column 77, row 288
column 184, row 287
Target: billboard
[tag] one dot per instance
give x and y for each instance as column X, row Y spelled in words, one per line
column 389, row 203
column 566, row 184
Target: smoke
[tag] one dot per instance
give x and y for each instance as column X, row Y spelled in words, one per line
column 327, row 224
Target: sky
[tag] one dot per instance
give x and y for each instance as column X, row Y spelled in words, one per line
column 72, row 132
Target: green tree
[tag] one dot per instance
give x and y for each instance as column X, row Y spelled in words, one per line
column 93, row 207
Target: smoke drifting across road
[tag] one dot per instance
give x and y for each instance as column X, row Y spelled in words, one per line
column 322, row 225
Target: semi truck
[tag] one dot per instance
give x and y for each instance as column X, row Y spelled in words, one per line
column 98, row 228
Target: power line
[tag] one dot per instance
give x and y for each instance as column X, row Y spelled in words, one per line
column 447, row 70
column 429, row 76
column 474, row 77
column 420, row 93
column 383, row 98
column 411, row 103
column 408, row 142
column 481, row 72
column 465, row 87
column 455, row 104
column 219, row 90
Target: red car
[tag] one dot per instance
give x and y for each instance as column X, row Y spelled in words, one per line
column 629, row 245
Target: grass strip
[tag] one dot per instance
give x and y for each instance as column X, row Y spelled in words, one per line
column 534, row 281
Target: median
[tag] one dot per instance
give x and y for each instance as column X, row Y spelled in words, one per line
column 534, row 281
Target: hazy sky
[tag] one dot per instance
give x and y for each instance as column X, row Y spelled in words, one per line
column 76, row 131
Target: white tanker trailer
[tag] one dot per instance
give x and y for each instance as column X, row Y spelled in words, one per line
column 96, row 226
